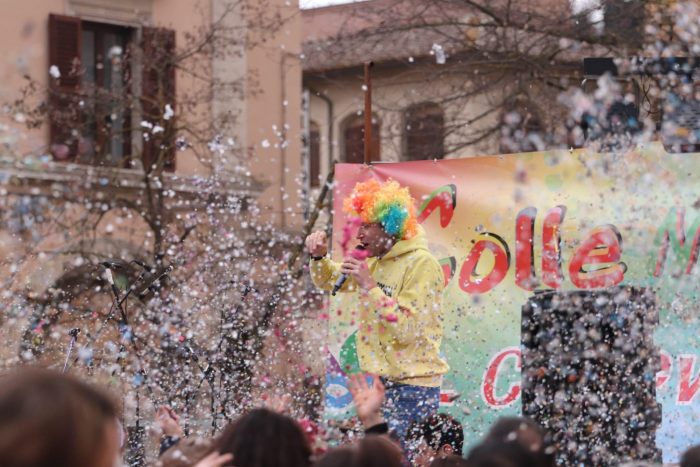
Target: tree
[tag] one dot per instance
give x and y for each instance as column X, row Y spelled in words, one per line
column 206, row 279
column 508, row 74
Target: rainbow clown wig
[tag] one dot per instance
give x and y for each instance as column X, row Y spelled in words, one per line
column 388, row 204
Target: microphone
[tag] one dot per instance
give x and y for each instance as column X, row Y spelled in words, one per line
column 73, row 333
column 110, row 278
column 343, row 277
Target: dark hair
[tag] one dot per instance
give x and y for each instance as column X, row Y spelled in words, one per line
column 338, row 457
column 492, row 453
column 504, row 426
column 509, row 451
column 527, row 434
column 437, row 430
column 450, row 461
column 263, row 438
column 371, row 451
column 691, row 457
column 47, row 418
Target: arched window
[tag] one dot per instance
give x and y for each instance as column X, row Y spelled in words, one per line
column 425, row 132
column 314, row 155
column 354, row 141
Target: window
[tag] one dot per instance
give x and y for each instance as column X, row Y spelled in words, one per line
column 314, row 155
column 521, row 129
column 624, row 21
column 106, row 135
column 424, row 132
column 354, row 134
column 92, row 105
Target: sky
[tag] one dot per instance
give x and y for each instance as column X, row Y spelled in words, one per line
column 316, row 3
column 577, row 4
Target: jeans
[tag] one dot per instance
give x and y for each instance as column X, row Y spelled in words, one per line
column 405, row 403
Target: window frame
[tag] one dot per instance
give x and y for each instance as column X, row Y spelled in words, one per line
column 68, row 92
column 425, row 111
column 355, row 123
column 102, row 138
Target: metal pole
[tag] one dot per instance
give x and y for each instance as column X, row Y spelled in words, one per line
column 368, row 112
column 73, row 333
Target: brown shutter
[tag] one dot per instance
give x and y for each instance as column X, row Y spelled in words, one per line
column 354, row 145
column 376, row 155
column 314, row 157
column 425, row 133
column 354, row 142
column 128, row 90
column 157, row 91
column 65, row 39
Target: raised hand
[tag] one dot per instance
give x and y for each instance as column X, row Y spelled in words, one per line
column 368, row 399
column 169, row 422
column 316, row 244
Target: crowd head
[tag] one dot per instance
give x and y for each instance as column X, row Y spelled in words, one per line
column 263, row 438
column 437, row 436
column 691, row 458
column 371, row 451
column 52, row 419
column 513, row 441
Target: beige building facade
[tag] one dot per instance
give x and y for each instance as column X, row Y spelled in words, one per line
column 244, row 95
column 262, row 101
column 236, row 99
column 431, row 93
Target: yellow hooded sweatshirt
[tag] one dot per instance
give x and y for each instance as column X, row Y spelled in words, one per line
column 400, row 325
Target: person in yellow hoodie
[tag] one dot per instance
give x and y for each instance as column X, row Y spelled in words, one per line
column 400, row 285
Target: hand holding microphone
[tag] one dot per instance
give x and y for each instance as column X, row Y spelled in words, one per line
column 355, row 265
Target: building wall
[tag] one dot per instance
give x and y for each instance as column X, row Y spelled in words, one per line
column 265, row 131
column 24, row 36
column 273, row 114
column 179, row 15
column 392, row 93
column 266, row 106
column 230, row 104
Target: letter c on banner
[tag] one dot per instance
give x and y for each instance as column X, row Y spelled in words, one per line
column 469, row 281
column 488, row 388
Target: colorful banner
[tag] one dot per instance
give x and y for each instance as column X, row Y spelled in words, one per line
column 504, row 226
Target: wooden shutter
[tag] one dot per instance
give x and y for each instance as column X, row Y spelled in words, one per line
column 129, row 99
column 425, row 133
column 374, row 152
column 354, row 142
column 354, row 145
column 314, row 156
column 65, row 40
column 158, row 90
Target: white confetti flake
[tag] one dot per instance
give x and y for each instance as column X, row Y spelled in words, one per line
column 169, row 112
